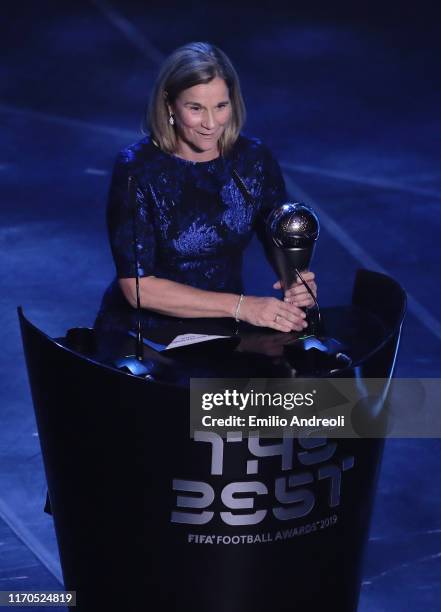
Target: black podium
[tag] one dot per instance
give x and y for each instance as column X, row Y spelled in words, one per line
column 147, row 518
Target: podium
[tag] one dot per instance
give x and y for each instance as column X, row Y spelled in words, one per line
column 120, row 466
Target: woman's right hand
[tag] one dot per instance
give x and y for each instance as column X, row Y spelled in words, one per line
column 273, row 313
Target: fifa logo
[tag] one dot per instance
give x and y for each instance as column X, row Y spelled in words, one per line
column 295, row 488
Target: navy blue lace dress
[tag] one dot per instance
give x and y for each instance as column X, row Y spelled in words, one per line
column 194, row 220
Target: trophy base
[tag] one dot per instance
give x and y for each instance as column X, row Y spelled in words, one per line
column 317, row 355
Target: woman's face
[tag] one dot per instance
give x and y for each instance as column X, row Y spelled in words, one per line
column 201, row 115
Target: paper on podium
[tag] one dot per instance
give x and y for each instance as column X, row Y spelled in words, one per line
column 191, row 341
column 187, row 339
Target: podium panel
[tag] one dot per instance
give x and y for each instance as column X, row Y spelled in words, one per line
column 144, row 514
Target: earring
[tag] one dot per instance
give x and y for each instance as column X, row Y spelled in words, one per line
column 171, row 120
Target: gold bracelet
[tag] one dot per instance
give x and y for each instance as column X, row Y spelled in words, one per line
column 239, row 302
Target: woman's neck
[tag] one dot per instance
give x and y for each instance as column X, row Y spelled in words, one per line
column 185, row 151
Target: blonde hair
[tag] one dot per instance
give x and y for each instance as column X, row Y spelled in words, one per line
column 190, row 65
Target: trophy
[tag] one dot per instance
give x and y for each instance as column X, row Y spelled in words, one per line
column 293, row 229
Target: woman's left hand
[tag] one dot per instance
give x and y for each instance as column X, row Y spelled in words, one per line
column 297, row 293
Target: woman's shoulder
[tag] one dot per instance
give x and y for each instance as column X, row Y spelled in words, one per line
column 252, row 152
column 252, row 147
column 140, row 152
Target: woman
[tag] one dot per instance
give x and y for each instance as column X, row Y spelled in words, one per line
column 203, row 189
